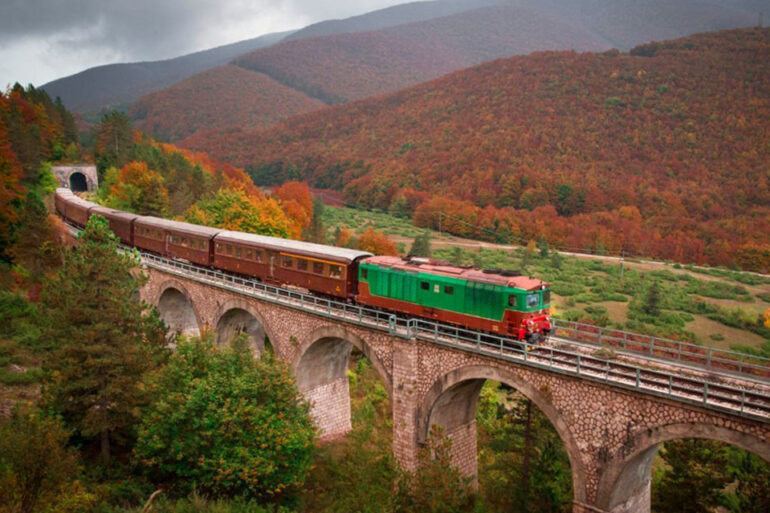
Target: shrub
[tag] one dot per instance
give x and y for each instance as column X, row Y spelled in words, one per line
column 36, row 468
column 226, row 423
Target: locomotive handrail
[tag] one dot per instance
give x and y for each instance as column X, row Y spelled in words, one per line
column 723, row 360
column 712, row 395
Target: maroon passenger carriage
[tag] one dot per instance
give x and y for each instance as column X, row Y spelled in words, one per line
column 175, row 239
column 313, row 267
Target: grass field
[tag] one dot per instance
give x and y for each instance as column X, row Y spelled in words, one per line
column 716, row 307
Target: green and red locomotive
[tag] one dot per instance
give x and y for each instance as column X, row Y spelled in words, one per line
column 491, row 300
column 494, row 300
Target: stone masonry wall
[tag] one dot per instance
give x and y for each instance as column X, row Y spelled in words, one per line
column 330, row 407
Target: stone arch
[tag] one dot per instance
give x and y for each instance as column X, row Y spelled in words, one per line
column 624, row 485
column 451, row 402
column 78, row 182
column 177, row 309
column 320, row 368
column 239, row 315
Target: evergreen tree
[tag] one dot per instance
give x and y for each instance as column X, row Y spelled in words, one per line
column 651, row 305
column 421, row 246
column 695, row 476
column 34, row 247
column 316, row 232
column 101, row 342
column 542, row 244
column 114, row 141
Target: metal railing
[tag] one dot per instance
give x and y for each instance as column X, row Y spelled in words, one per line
column 728, row 398
column 710, row 358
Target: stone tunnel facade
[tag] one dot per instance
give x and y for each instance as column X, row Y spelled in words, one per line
column 610, row 435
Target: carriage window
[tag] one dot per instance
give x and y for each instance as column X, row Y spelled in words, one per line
column 448, row 289
column 258, row 256
column 301, row 264
column 424, row 285
column 220, row 247
column 287, row 262
column 436, row 288
column 547, row 297
column 237, row 252
column 512, row 300
column 335, row 271
column 249, row 254
column 229, row 249
column 318, row 268
column 533, row 300
column 365, row 273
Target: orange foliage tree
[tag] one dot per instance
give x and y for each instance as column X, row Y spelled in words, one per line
column 234, row 209
column 376, row 242
column 296, row 200
column 139, row 189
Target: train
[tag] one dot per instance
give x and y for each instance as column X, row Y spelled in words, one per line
column 496, row 301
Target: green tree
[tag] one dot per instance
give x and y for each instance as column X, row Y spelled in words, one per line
column 316, row 232
column 226, row 423
column 421, row 245
column 36, row 468
column 114, row 141
column 753, row 489
column 436, row 486
column 34, row 246
column 694, row 478
column 542, row 244
column 102, row 342
column 651, row 304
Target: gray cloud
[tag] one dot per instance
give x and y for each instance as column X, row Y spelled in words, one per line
column 44, row 39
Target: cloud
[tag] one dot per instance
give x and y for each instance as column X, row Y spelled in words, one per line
column 44, row 39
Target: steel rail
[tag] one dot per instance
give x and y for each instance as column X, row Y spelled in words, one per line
column 721, row 397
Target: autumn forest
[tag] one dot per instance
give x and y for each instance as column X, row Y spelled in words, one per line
column 660, row 152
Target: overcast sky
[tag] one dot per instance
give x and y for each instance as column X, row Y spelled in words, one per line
column 41, row 40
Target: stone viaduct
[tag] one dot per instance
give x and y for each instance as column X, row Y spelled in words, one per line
column 611, row 434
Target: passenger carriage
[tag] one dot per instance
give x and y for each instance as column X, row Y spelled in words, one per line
column 314, row 267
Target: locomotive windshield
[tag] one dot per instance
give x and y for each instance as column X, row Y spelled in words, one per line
column 533, row 300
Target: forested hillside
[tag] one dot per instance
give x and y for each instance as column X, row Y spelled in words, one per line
column 351, row 66
column 660, row 152
column 217, row 98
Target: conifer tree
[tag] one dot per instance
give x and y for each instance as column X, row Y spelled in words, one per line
column 102, row 343
column 421, row 245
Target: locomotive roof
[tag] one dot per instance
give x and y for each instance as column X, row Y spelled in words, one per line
column 305, row 248
column 443, row 269
column 177, row 226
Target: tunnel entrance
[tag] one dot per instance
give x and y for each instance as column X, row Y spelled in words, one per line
column 78, row 182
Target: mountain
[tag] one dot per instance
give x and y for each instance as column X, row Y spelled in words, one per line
column 216, row 98
column 390, row 17
column 344, row 67
column 116, row 85
column 659, row 152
